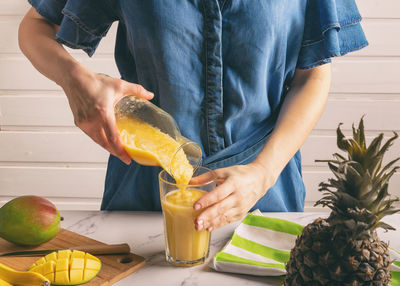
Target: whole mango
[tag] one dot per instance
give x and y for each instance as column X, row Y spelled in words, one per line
column 29, row 220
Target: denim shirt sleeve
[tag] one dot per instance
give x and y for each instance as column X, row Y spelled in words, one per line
column 82, row 23
column 332, row 29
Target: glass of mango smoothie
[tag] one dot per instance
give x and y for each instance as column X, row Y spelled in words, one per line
column 151, row 137
column 184, row 245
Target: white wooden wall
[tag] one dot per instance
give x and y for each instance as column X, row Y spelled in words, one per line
column 42, row 153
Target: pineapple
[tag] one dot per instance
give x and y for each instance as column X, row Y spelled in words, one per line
column 344, row 249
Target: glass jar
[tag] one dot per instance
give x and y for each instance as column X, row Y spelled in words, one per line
column 132, row 109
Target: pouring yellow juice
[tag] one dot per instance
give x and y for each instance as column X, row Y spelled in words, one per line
column 149, row 146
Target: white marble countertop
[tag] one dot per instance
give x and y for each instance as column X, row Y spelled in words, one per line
column 143, row 231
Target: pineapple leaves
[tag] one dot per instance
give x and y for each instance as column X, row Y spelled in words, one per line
column 390, row 164
column 359, row 134
column 387, row 208
column 385, row 226
column 375, row 205
column 357, row 153
column 373, row 148
column 358, row 194
column 335, row 170
column 338, row 157
column 388, row 144
column 381, row 181
column 356, row 146
column 342, row 142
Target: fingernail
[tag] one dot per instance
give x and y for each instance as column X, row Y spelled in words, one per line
column 150, row 94
column 210, row 229
column 199, row 224
column 197, row 207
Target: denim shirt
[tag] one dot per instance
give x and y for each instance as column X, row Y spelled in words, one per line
column 221, row 68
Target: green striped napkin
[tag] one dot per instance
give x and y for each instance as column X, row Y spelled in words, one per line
column 261, row 245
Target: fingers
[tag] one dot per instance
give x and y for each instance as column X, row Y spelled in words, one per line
column 216, row 195
column 220, row 214
column 100, row 138
column 93, row 107
column 239, row 189
column 202, row 179
column 97, row 134
column 114, row 141
column 135, row 89
column 106, row 135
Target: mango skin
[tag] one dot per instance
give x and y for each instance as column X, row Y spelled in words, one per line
column 29, row 220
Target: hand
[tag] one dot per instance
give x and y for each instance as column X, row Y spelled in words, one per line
column 239, row 188
column 92, row 97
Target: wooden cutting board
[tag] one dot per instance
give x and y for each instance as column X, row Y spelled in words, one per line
column 114, row 267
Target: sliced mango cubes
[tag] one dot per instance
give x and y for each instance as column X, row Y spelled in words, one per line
column 66, row 267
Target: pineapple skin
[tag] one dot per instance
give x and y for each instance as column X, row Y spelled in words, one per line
column 344, row 249
column 321, row 257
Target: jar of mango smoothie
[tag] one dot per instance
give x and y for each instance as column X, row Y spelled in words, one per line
column 151, row 137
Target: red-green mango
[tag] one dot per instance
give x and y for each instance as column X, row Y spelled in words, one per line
column 29, row 220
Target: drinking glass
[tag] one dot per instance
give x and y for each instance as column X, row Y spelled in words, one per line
column 184, row 245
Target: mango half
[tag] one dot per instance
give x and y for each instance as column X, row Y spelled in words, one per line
column 66, row 267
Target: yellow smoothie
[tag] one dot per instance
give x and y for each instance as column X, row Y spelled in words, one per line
column 147, row 145
column 183, row 241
